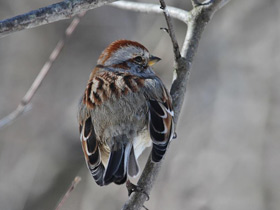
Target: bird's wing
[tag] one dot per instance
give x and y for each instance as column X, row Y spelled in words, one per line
column 161, row 125
column 90, row 146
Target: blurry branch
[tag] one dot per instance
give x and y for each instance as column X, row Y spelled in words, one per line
column 199, row 16
column 52, row 13
column 75, row 182
column 37, row 82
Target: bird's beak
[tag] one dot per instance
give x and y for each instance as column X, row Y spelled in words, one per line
column 153, row 60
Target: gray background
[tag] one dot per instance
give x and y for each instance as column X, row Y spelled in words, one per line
column 226, row 156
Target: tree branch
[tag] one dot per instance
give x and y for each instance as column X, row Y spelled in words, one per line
column 174, row 12
column 52, row 13
column 23, row 106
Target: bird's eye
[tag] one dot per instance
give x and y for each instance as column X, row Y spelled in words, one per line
column 138, row 59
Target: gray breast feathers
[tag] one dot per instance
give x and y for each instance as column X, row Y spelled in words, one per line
column 126, row 115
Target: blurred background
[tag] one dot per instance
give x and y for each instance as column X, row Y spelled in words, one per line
column 226, row 155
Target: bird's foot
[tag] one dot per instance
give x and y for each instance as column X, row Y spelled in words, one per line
column 135, row 188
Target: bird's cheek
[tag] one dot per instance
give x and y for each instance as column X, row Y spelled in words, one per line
column 143, row 69
column 139, row 70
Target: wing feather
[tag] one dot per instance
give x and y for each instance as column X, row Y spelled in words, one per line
column 91, row 150
column 160, row 123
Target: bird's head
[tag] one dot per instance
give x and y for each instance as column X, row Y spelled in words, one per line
column 125, row 55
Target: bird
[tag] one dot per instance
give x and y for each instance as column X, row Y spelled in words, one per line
column 125, row 108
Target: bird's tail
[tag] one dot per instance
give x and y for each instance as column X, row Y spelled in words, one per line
column 122, row 162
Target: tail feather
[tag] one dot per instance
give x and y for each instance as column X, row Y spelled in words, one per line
column 121, row 180
column 122, row 162
column 120, row 175
column 115, row 165
column 97, row 173
column 133, row 167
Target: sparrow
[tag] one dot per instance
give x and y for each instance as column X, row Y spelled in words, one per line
column 125, row 109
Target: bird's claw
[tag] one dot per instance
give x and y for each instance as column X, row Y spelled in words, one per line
column 135, row 188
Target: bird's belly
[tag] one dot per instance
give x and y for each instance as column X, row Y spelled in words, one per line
column 126, row 115
column 141, row 142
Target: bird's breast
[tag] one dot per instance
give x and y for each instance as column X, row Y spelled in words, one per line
column 126, row 115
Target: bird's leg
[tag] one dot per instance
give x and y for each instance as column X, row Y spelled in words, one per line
column 134, row 188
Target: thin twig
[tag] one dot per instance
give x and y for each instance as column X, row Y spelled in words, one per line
column 45, row 15
column 75, row 182
column 42, row 74
column 171, row 31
